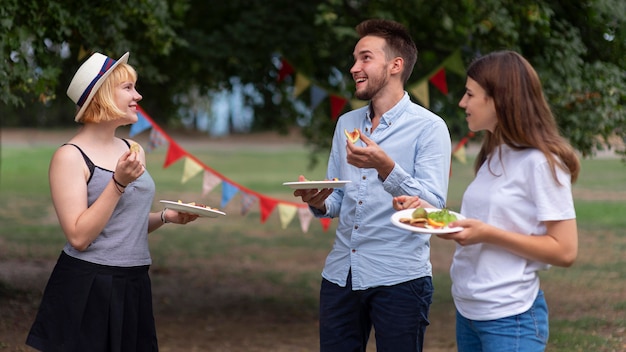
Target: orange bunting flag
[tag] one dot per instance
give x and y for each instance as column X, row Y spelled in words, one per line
column 439, row 80
column 337, row 103
column 285, row 70
column 174, row 152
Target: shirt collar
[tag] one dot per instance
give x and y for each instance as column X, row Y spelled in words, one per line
column 394, row 113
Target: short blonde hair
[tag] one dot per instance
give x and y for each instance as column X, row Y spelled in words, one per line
column 102, row 107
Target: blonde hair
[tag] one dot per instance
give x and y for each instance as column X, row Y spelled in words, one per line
column 103, row 107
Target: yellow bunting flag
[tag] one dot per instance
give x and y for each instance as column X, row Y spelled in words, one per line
column 301, row 84
column 420, row 92
column 286, row 213
column 191, row 169
column 358, row 103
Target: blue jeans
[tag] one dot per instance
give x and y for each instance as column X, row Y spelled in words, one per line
column 526, row 332
column 399, row 314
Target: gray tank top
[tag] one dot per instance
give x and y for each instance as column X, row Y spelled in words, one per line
column 124, row 239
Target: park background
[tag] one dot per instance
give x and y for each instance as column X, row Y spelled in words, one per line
column 242, row 96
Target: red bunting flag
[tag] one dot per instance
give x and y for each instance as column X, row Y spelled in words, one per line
column 439, row 80
column 325, row 223
column 337, row 103
column 174, row 152
column 285, row 70
column 267, row 205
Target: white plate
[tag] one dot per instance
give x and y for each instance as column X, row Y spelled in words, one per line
column 316, row 184
column 192, row 209
column 406, row 213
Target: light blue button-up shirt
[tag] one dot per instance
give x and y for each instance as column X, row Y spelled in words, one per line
column 377, row 252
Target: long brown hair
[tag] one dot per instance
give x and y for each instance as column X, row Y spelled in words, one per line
column 524, row 116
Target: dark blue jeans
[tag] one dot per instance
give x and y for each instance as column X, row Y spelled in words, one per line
column 398, row 313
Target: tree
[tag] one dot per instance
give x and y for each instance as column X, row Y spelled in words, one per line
column 197, row 45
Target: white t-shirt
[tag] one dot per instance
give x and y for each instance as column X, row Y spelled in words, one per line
column 517, row 194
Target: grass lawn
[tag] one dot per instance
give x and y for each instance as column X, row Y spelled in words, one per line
column 236, row 284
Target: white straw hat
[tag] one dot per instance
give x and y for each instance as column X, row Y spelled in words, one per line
column 88, row 79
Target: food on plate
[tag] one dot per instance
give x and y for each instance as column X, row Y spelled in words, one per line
column 134, row 148
column 197, row 205
column 432, row 220
column 419, row 213
column 352, row 136
column 304, row 179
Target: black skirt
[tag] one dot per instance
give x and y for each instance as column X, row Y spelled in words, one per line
column 92, row 307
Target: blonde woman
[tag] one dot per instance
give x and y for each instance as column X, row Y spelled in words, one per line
column 98, row 297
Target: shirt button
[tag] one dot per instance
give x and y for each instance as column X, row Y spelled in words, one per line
column 354, row 251
column 360, row 202
column 364, row 177
column 356, row 227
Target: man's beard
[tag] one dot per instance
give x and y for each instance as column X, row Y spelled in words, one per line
column 373, row 87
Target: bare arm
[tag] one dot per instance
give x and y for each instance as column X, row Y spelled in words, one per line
column 68, row 174
column 559, row 246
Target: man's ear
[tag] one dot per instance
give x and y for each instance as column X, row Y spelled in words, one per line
column 397, row 65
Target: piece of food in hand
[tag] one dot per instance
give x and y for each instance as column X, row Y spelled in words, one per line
column 134, row 148
column 352, row 136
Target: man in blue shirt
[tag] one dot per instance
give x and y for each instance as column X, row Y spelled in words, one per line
column 377, row 274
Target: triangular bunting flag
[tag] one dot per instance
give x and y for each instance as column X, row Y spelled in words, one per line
column 247, row 201
column 141, row 125
column 454, row 63
column 358, row 103
column 420, row 92
column 317, row 95
column 212, row 178
column 190, row 169
column 460, row 155
column 228, row 192
column 285, row 70
column 325, row 223
column 337, row 104
column 209, row 181
column 302, row 83
column 286, row 213
column 267, row 206
column 156, row 140
column 174, row 152
column 305, row 215
column 439, row 80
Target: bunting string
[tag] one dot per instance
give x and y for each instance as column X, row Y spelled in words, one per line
column 287, row 211
column 419, row 90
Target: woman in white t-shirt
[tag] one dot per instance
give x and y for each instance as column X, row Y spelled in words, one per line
column 519, row 209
